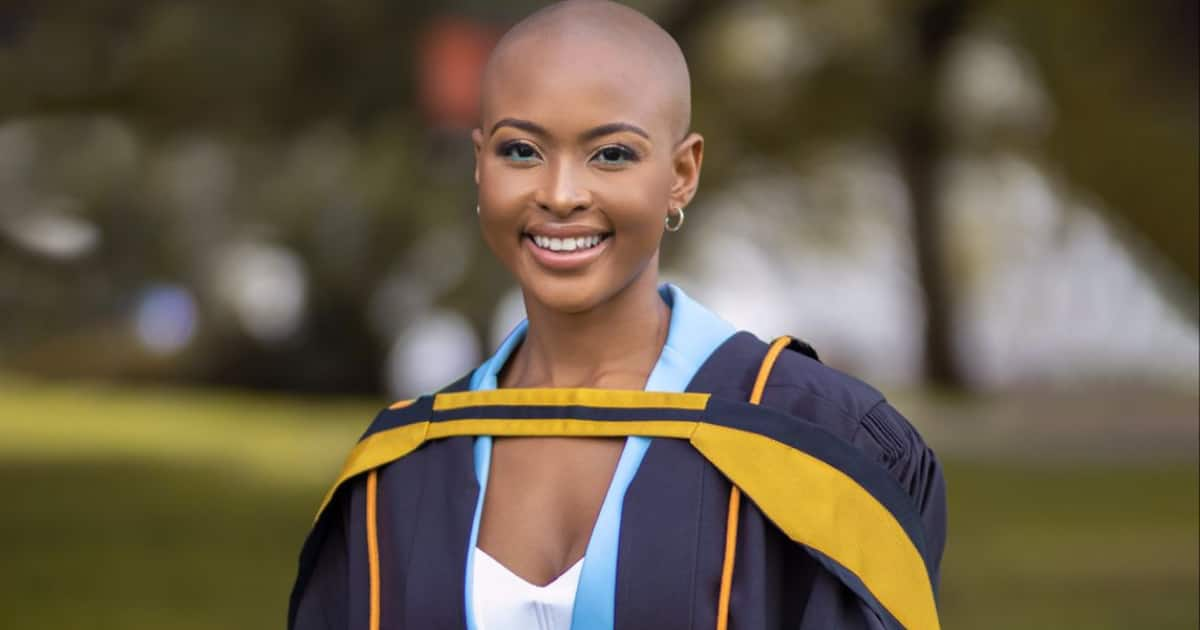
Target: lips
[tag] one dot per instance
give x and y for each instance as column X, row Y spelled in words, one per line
column 565, row 248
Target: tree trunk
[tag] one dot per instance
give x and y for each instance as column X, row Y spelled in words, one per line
column 920, row 145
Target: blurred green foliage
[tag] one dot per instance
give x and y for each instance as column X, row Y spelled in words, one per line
column 186, row 509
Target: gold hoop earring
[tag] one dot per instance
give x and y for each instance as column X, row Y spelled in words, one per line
column 678, row 224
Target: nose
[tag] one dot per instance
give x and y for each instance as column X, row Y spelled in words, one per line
column 561, row 191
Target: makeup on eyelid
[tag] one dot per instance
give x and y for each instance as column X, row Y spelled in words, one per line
column 613, row 154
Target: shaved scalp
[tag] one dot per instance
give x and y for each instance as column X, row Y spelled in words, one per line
column 569, row 28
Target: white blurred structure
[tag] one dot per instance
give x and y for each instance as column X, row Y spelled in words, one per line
column 53, row 229
column 822, row 257
column 433, row 351
column 508, row 313
column 1047, row 292
column 992, row 85
column 265, row 286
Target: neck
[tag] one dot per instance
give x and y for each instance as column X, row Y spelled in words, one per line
column 612, row 346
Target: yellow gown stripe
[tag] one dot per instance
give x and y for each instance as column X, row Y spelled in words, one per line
column 561, row 427
column 376, row 450
column 383, row 447
column 731, row 530
column 819, row 506
column 545, row 397
column 764, row 370
column 373, row 549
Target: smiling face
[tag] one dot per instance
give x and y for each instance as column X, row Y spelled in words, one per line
column 579, row 159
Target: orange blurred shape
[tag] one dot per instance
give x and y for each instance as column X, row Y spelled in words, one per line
column 452, row 53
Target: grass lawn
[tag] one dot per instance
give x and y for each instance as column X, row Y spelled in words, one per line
column 184, row 509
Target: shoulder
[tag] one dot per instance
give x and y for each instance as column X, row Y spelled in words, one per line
column 799, row 384
column 848, row 407
column 808, row 390
column 805, row 387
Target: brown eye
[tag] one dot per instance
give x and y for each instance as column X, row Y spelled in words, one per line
column 615, row 155
column 518, row 152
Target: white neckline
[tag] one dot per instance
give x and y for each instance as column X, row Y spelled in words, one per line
column 571, row 573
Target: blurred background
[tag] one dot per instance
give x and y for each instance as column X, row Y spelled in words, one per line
column 231, row 231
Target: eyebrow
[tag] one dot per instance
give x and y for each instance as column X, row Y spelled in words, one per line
column 590, row 134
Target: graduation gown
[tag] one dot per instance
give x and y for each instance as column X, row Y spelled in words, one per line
column 840, row 520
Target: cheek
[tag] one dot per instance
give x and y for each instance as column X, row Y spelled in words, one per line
column 500, row 198
column 638, row 209
column 493, row 229
column 497, row 188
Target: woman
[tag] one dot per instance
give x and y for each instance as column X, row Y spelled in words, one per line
column 544, row 489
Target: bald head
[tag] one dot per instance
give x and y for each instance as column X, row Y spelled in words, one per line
column 593, row 38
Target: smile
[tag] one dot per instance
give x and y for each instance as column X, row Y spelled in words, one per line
column 564, row 253
column 567, row 244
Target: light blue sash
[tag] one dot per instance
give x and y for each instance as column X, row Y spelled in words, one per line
column 694, row 333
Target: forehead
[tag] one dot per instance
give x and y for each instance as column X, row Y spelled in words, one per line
column 568, row 86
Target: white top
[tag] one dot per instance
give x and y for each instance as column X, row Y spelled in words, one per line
column 502, row 599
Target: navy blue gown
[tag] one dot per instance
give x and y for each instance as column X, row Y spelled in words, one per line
column 422, row 491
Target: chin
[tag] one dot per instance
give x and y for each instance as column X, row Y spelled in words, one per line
column 569, row 295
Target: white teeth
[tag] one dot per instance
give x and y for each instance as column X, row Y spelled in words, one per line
column 566, row 244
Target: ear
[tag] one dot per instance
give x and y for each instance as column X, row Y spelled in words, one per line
column 477, row 140
column 685, row 162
